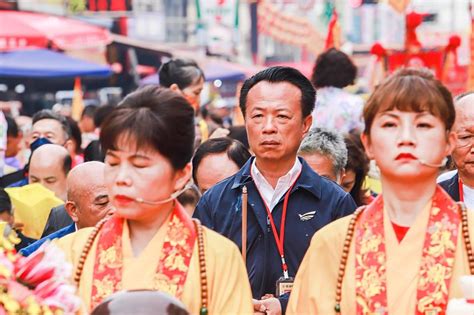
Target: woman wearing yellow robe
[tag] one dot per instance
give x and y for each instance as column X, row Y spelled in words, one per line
column 405, row 251
column 150, row 242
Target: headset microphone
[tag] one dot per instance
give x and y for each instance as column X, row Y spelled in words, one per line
column 170, row 198
column 443, row 163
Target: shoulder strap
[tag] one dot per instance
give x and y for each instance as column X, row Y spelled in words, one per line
column 465, row 234
column 85, row 251
column 202, row 267
column 345, row 255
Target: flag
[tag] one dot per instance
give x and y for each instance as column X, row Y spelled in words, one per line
column 470, row 81
column 77, row 102
column 333, row 38
column 32, row 205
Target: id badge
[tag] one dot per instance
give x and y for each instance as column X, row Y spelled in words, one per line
column 284, row 285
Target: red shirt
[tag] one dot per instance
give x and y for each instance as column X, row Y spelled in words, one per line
column 400, row 231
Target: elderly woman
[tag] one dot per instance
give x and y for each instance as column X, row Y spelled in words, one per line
column 405, row 252
column 150, row 242
column 336, row 108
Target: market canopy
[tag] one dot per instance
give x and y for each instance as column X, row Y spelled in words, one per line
column 44, row 63
column 214, row 70
column 25, row 30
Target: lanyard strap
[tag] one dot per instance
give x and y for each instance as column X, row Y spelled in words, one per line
column 461, row 192
column 280, row 239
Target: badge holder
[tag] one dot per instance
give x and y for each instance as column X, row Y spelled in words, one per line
column 284, row 285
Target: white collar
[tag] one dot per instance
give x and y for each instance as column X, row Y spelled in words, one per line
column 271, row 196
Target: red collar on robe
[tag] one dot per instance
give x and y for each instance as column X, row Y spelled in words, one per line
column 173, row 264
column 436, row 263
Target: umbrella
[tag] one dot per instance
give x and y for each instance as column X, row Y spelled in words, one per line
column 44, row 63
column 20, row 30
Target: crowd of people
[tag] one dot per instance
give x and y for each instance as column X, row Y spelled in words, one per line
column 321, row 203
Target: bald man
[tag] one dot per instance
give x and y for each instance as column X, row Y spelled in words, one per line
column 49, row 166
column 461, row 186
column 87, row 201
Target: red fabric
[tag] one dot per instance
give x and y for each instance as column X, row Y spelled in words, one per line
column 25, row 30
column 92, row 6
column 330, row 40
column 438, row 255
column 102, row 5
column 173, row 264
column 400, row 231
column 118, row 5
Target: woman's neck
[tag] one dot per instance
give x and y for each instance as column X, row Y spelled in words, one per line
column 142, row 231
column 405, row 200
column 272, row 171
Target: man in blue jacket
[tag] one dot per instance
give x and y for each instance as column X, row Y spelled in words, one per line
column 283, row 191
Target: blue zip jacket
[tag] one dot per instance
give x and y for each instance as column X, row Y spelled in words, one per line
column 314, row 202
column 30, row 249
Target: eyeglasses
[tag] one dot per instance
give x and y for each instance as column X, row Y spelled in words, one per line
column 464, row 140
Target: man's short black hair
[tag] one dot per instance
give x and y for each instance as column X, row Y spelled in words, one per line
column 280, row 74
column 49, row 114
column 102, row 113
column 89, row 111
column 333, row 68
column 235, row 150
column 12, row 127
column 76, row 135
column 5, row 202
column 67, row 164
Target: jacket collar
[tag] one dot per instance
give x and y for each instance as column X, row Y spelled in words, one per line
column 308, row 179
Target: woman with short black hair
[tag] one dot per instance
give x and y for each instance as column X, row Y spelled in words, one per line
column 151, row 242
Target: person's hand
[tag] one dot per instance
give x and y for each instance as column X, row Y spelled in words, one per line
column 17, row 226
column 268, row 305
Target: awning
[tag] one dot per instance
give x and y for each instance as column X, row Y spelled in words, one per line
column 43, row 63
column 26, row 30
column 213, row 70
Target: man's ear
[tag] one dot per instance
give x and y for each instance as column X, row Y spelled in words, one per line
column 174, row 87
column 451, row 143
column 71, row 209
column 69, row 145
column 307, row 123
column 340, row 177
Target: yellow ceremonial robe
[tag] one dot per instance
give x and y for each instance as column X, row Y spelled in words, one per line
column 315, row 284
column 228, row 287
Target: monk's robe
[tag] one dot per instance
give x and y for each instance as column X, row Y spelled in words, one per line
column 315, row 284
column 228, row 286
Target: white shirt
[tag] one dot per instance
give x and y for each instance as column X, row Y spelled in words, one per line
column 272, row 196
column 468, row 194
column 446, row 176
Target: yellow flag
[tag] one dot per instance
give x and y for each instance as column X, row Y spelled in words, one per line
column 77, row 102
column 32, row 205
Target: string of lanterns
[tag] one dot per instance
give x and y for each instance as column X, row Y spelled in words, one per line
column 288, row 29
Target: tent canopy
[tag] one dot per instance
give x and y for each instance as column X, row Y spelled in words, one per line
column 48, row 64
column 26, row 30
column 214, row 70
